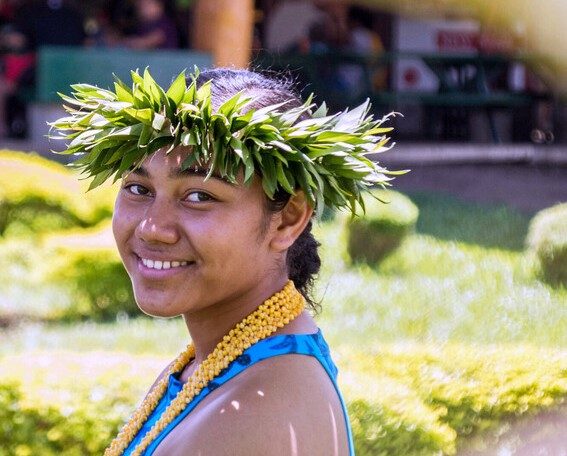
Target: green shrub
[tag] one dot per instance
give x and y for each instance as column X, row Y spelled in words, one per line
column 72, row 406
column 382, row 229
column 547, row 238
column 39, row 195
column 86, row 264
column 27, row 430
column 423, row 399
column 74, row 275
column 411, row 400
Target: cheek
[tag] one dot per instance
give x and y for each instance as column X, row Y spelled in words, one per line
column 123, row 224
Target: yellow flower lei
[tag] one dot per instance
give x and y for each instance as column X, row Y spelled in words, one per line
column 274, row 313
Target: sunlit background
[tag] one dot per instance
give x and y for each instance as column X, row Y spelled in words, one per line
column 446, row 310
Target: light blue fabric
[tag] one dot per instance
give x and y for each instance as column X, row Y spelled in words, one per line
column 303, row 344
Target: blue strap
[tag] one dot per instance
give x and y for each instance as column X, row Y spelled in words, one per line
column 303, row 344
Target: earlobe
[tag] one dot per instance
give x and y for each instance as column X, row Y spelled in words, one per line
column 292, row 220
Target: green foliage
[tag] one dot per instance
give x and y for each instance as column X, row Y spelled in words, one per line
column 425, row 399
column 53, row 266
column 70, row 276
column 38, row 196
column 547, row 238
column 87, row 265
column 325, row 156
column 373, row 237
column 98, row 285
column 60, row 409
column 28, row 430
column 413, row 400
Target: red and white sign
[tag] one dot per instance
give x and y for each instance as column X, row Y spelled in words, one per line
column 429, row 37
column 457, row 40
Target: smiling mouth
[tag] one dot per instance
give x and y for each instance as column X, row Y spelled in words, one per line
column 157, row 264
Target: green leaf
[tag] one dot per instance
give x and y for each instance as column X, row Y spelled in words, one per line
column 269, row 178
column 229, row 105
column 177, row 88
column 283, row 180
column 159, row 121
column 143, row 115
column 248, row 163
column 349, row 120
column 237, row 146
column 145, row 136
column 321, row 111
column 100, row 178
column 122, row 92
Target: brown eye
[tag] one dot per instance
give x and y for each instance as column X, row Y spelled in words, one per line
column 137, row 189
column 199, row 197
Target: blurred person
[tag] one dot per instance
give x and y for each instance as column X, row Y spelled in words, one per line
column 34, row 24
column 289, row 22
column 48, row 23
column 111, row 23
column 364, row 41
column 155, row 28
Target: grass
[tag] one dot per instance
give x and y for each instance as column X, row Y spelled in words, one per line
column 493, row 226
column 443, row 288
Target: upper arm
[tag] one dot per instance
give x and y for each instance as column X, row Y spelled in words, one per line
column 282, row 406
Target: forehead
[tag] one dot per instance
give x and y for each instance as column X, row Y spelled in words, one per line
column 170, row 166
column 167, row 161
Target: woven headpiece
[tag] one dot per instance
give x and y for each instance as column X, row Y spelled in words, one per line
column 112, row 132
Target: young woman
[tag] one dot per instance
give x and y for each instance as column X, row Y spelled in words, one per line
column 219, row 181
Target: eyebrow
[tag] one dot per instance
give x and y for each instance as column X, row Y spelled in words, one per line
column 179, row 173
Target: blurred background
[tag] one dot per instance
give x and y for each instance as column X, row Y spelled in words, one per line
column 446, row 309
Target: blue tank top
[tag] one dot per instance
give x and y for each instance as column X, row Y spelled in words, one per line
column 283, row 344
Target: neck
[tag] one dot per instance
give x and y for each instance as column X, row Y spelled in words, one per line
column 208, row 326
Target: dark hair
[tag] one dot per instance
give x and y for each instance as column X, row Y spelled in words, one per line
column 303, row 262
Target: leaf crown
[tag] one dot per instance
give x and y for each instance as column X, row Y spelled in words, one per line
column 325, row 156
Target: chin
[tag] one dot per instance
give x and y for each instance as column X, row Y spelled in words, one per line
column 159, row 312
column 155, row 307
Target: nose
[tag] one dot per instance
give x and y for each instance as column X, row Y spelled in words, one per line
column 158, row 224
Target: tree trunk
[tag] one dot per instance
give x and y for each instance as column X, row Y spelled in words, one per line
column 225, row 29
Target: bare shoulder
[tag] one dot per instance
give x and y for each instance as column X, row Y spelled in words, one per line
column 286, row 405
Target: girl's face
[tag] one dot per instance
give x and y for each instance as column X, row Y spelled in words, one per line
column 188, row 243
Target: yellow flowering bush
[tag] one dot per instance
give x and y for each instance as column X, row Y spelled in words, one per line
column 403, row 399
column 417, row 399
column 68, row 404
column 39, row 195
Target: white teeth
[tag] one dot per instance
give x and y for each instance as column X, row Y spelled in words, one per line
column 156, row 264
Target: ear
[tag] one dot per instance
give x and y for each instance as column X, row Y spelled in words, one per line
column 290, row 222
